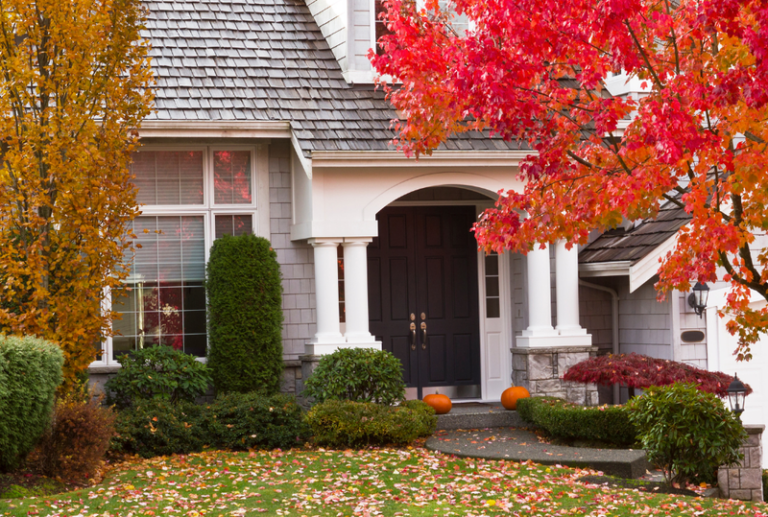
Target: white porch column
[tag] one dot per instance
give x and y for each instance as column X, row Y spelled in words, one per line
column 328, row 336
column 567, row 289
column 356, row 291
column 539, row 331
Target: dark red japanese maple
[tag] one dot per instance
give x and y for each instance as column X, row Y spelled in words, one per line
column 640, row 371
column 532, row 71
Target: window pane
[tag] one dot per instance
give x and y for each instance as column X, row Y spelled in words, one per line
column 492, row 307
column 168, row 177
column 492, row 265
column 458, row 23
column 166, row 281
column 228, row 224
column 492, row 286
column 232, row 177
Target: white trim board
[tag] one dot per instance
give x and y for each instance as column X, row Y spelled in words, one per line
column 206, row 129
column 647, row 267
column 437, row 159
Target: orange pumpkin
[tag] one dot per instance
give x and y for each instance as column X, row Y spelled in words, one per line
column 511, row 395
column 441, row 403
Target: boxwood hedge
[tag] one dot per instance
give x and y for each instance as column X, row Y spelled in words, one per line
column 561, row 419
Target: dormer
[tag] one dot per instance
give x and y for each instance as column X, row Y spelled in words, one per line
column 351, row 28
column 347, row 27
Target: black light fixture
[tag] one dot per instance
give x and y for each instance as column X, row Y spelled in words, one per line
column 737, row 393
column 698, row 298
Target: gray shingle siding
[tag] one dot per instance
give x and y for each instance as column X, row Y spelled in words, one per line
column 296, row 258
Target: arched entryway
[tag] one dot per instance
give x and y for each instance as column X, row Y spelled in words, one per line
column 428, row 292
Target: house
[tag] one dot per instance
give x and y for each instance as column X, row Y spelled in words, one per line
column 267, row 121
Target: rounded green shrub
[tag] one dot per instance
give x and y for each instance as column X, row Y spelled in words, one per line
column 562, row 419
column 30, row 372
column 158, row 427
column 240, row 421
column 359, row 375
column 245, row 315
column 157, row 371
column 686, row 432
column 344, row 423
column 234, row 421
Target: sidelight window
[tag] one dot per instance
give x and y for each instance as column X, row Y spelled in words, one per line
column 492, row 304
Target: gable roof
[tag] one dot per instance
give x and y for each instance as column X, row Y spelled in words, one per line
column 619, row 245
column 266, row 60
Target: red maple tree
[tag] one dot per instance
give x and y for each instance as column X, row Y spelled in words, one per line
column 533, row 71
column 640, row 371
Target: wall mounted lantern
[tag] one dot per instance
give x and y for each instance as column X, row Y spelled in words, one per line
column 698, row 298
column 737, row 394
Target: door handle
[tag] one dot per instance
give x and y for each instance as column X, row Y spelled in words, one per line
column 424, row 335
column 413, row 336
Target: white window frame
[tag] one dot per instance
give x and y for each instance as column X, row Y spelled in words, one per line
column 420, row 4
column 208, row 209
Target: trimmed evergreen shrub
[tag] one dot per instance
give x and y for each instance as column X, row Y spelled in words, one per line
column 561, row 419
column 344, row 423
column 157, row 371
column 239, row 421
column 245, row 316
column 30, row 372
column 234, row 421
column 359, row 375
column 686, row 432
column 74, row 444
column 158, row 427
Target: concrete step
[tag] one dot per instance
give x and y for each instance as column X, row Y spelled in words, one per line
column 479, row 416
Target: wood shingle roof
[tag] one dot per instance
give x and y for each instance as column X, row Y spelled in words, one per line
column 634, row 244
column 266, row 60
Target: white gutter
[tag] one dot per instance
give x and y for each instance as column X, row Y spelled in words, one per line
column 597, row 269
column 217, row 129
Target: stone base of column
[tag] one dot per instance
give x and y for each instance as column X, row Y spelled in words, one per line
column 744, row 481
column 560, row 340
column 540, row 370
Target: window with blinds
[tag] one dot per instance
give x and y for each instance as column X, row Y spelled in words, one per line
column 189, row 198
column 164, row 299
column 169, row 177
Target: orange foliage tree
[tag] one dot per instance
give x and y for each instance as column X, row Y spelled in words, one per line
column 74, row 78
column 533, row 71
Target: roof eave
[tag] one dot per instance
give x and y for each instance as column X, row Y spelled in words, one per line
column 327, row 159
column 214, row 129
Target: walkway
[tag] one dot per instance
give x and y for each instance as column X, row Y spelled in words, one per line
column 491, row 432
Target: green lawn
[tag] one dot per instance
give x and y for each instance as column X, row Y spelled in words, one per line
column 391, row 482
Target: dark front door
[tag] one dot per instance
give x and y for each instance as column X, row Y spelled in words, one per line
column 422, row 275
